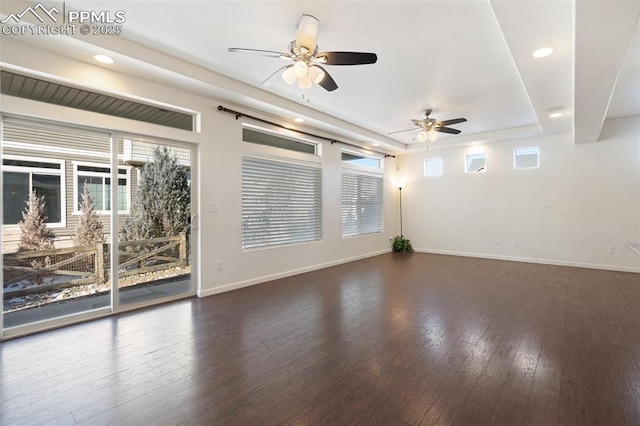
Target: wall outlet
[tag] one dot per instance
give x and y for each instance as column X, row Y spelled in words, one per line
column 335, row 246
column 218, row 265
column 611, row 250
column 498, row 242
column 516, row 243
column 546, row 205
column 214, row 207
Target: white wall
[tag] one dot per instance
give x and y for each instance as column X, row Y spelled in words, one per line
column 220, row 150
column 593, row 191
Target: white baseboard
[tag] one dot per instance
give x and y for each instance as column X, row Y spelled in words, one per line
column 535, row 260
column 266, row 278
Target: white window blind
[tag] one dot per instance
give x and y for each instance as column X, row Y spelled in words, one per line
column 281, row 202
column 361, row 203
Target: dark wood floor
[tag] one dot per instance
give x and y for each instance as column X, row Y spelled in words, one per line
column 395, row 339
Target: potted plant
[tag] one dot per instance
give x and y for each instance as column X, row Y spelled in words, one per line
column 402, row 244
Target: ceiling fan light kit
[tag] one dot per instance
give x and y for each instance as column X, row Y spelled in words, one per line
column 430, row 127
column 303, row 51
column 307, row 70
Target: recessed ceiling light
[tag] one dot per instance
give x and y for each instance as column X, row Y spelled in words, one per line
column 555, row 112
column 299, row 120
column 103, row 59
column 541, row 53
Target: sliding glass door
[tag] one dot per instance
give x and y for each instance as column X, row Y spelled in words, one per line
column 92, row 223
column 155, row 238
column 51, row 267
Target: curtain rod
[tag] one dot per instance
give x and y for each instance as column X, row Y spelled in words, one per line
column 242, row 114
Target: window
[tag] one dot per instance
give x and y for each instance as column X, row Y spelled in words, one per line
column 98, row 177
column 433, row 167
column 476, row 163
column 526, row 158
column 281, row 202
column 361, row 160
column 44, row 176
column 361, row 203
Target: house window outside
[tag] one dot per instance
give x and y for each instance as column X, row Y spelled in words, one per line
column 476, row 163
column 526, row 158
column 433, row 167
column 44, row 176
column 281, row 202
column 98, row 177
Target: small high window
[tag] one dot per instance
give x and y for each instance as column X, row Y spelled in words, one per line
column 526, row 158
column 476, row 163
column 278, row 141
column 433, row 167
column 362, row 160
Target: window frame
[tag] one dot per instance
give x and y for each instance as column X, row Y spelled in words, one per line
column 60, row 172
column 291, row 135
column 535, row 149
column 107, row 175
column 426, row 167
column 467, row 163
column 366, row 156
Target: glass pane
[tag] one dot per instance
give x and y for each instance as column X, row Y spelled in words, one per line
column 94, row 169
column 61, row 271
column 433, row 167
column 269, row 139
column 96, row 190
column 15, row 191
column 27, row 163
column 50, row 188
column 107, row 194
column 476, row 163
column 155, row 238
column 122, row 194
column 363, row 161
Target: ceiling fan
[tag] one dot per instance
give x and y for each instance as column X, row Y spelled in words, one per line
column 303, row 52
column 430, row 127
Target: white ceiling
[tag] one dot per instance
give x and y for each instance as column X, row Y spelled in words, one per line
column 461, row 58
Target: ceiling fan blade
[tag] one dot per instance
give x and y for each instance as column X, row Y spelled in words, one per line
column 348, row 58
column 307, row 34
column 450, row 122
column 447, row 130
column 400, row 131
column 324, row 80
column 276, row 76
column 270, row 53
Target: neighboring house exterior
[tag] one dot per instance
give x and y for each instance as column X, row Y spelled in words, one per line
column 56, row 161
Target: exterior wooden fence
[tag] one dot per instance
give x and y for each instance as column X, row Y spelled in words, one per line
column 33, row 272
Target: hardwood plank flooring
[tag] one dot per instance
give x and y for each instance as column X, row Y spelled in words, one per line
column 395, row 339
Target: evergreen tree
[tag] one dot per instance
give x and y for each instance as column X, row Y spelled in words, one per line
column 163, row 201
column 89, row 230
column 34, row 234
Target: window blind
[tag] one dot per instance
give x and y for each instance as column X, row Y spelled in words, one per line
column 281, row 202
column 361, row 203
